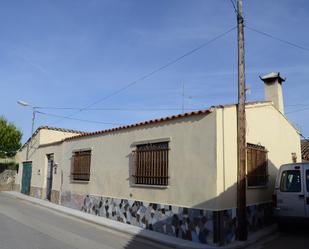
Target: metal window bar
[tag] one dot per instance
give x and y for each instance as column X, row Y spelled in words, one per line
column 151, row 164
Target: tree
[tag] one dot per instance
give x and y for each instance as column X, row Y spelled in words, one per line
column 10, row 138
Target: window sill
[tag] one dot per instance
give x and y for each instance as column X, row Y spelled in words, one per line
column 148, row 186
column 79, row 182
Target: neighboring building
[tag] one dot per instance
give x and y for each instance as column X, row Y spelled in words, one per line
column 305, row 150
column 175, row 175
column 30, row 171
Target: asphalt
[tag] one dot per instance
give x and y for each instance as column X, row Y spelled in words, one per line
column 24, row 225
column 129, row 236
column 294, row 236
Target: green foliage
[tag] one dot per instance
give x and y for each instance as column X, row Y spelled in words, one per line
column 10, row 138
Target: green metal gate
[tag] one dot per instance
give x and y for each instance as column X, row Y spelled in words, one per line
column 26, row 180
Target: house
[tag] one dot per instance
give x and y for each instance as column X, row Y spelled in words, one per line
column 175, row 175
column 43, row 136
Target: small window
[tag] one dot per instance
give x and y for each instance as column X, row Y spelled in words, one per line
column 257, row 172
column 151, row 164
column 290, row 181
column 81, row 165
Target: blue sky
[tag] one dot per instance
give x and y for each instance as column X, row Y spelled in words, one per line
column 70, row 53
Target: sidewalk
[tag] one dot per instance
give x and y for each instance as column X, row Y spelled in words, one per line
column 137, row 231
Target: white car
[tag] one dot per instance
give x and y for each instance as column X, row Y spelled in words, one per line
column 291, row 197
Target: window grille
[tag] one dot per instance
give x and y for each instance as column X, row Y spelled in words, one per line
column 151, row 164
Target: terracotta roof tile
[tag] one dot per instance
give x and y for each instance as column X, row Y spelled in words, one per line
column 305, row 150
column 152, row 121
column 163, row 119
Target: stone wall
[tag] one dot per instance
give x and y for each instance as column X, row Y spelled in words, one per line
column 7, row 180
column 197, row 225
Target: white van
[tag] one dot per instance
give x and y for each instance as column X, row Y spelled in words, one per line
column 291, row 197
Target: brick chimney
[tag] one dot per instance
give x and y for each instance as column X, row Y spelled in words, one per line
column 273, row 89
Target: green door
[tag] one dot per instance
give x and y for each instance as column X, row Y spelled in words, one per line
column 26, row 180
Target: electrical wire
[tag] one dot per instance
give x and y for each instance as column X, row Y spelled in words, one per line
column 234, row 6
column 148, row 75
column 113, row 109
column 303, row 104
column 278, row 39
column 77, row 119
column 299, row 110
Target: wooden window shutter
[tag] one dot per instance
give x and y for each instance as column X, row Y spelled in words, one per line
column 257, row 172
column 81, row 165
column 151, row 164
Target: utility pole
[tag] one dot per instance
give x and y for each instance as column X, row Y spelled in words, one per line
column 242, row 232
column 32, row 128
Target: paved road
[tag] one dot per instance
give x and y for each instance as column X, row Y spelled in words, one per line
column 27, row 226
column 295, row 237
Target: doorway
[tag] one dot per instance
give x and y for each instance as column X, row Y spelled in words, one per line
column 49, row 180
column 26, row 178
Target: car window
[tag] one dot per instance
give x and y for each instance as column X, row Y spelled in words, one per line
column 307, row 180
column 290, row 181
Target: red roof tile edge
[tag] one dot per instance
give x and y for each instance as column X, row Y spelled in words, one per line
column 148, row 122
column 158, row 120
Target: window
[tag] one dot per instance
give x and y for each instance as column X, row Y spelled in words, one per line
column 151, row 164
column 290, row 181
column 81, row 165
column 256, row 165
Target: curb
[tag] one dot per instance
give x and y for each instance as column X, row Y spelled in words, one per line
column 140, row 232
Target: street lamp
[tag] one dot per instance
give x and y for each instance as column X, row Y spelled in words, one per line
column 25, row 104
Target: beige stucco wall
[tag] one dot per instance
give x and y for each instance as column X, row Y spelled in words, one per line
column 192, row 165
column 49, row 136
column 226, row 157
column 265, row 126
column 40, row 165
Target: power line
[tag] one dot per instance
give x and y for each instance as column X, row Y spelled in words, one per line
column 77, row 119
column 114, row 109
column 303, row 104
column 234, row 6
column 145, row 76
column 299, row 110
column 278, row 39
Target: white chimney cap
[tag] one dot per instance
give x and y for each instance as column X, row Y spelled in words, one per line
column 271, row 76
